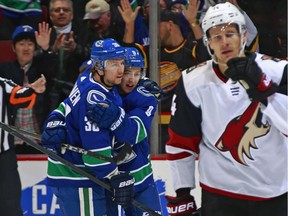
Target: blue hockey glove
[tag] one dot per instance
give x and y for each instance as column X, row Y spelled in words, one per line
column 106, row 114
column 122, row 187
column 54, row 132
column 152, row 87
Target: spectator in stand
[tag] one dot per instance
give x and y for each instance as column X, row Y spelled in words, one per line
column 64, row 42
column 178, row 6
column 145, row 10
column 18, row 12
column 79, row 12
column 12, row 97
column 146, row 5
column 25, row 70
column 103, row 21
column 134, row 23
column 100, row 23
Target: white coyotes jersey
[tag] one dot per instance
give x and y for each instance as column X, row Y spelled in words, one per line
column 243, row 145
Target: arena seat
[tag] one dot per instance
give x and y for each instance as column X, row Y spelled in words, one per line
column 6, row 52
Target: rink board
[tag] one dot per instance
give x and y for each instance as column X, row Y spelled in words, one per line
column 38, row 199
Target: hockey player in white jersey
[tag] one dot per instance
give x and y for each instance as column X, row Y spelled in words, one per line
column 231, row 112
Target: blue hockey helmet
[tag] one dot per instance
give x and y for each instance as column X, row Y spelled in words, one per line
column 107, row 49
column 134, row 58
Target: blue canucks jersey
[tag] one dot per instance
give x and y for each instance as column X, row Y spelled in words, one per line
column 141, row 106
column 82, row 133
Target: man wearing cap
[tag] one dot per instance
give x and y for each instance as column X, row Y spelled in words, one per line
column 101, row 23
column 25, row 70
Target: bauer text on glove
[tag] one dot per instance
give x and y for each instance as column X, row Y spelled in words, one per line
column 122, row 187
column 54, row 132
column 182, row 205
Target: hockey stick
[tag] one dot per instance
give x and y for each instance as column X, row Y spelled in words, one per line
column 118, row 159
column 106, row 186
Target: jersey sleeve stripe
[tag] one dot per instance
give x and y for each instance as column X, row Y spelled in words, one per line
column 185, row 143
column 16, row 100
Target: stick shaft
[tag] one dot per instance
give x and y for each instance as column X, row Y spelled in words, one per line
column 67, row 146
column 70, row 165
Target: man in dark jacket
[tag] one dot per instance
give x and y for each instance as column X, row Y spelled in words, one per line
column 28, row 68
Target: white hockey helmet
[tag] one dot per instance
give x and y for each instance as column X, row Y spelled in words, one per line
column 223, row 13
column 220, row 14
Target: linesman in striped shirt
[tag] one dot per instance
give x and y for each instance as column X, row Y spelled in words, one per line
column 10, row 186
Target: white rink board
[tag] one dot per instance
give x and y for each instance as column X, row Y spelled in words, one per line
column 37, row 199
column 160, row 169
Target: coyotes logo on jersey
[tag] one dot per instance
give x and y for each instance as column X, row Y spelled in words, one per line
column 241, row 132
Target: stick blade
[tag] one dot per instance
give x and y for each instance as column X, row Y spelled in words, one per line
column 124, row 154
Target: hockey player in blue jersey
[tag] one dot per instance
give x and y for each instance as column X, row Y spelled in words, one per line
column 77, row 195
column 140, row 105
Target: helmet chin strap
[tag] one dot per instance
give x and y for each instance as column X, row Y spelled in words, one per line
column 243, row 45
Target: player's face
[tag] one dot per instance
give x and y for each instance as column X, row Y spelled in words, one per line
column 24, row 50
column 225, row 41
column 130, row 79
column 114, row 70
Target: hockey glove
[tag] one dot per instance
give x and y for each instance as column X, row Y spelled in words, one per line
column 106, row 114
column 122, row 187
column 54, row 132
column 245, row 70
column 184, row 205
column 152, row 87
